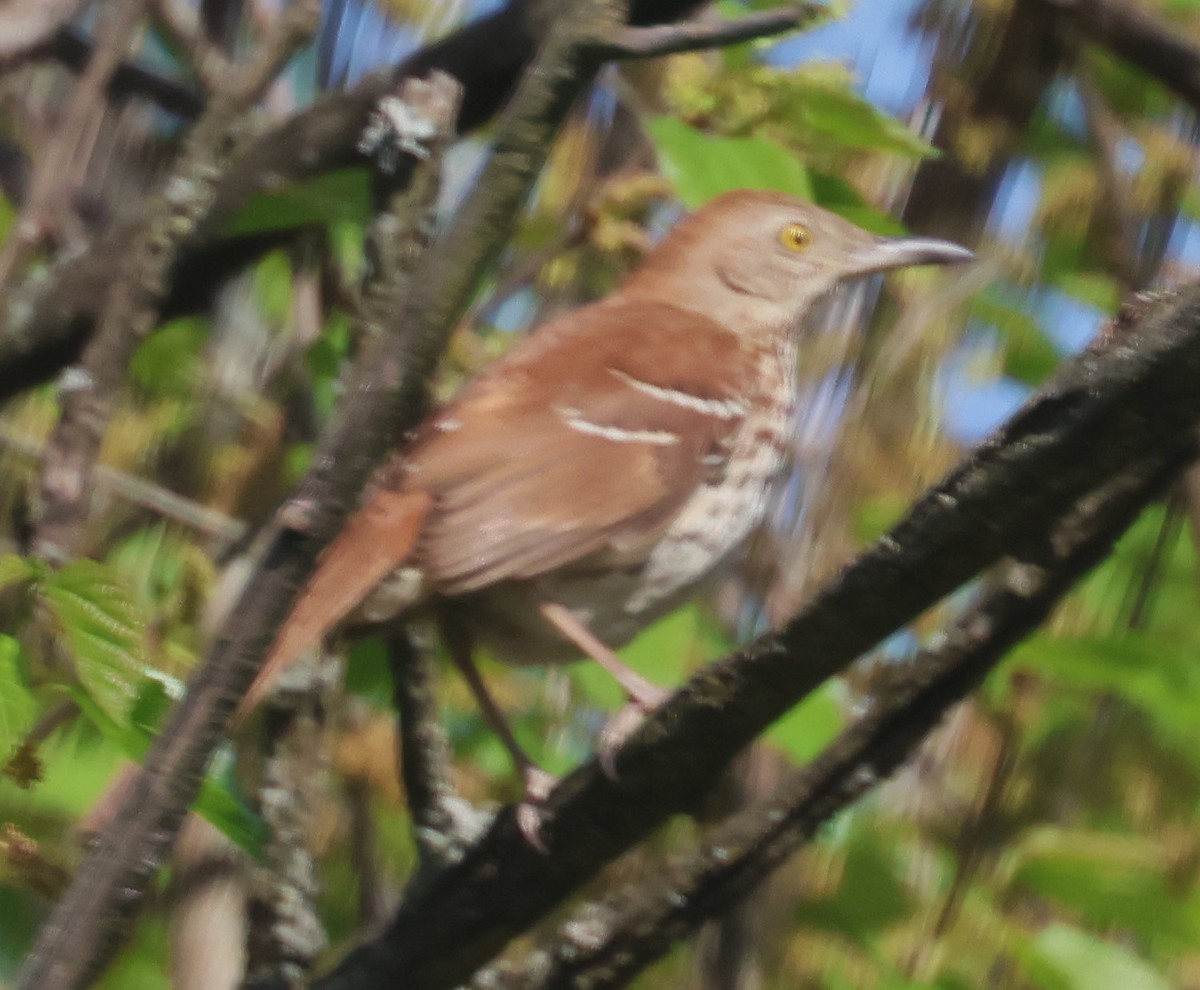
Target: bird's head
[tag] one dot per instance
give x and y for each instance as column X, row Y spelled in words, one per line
column 763, row 258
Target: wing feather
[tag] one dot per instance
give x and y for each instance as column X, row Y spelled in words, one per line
column 518, row 490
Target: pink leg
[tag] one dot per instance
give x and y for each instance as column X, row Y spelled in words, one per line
column 536, row 782
column 643, row 696
column 640, row 691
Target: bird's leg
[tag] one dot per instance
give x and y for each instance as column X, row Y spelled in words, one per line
column 536, row 781
column 643, row 696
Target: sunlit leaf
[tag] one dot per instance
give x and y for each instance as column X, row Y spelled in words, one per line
column 1081, row 961
column 103, row 630
column 331, row 198
column 17, row 704
column 828, row 106
column 702, row 166
column 15, row 568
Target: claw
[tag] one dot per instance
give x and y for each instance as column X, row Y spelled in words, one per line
column 538, row 785
column 623, row 725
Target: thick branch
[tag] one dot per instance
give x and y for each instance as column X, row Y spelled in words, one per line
column 1101, row 414
column 91, row 921
column 604, row 945
column 131, row 79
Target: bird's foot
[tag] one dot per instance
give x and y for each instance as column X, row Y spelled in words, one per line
column 538, row 785
column 623, row 725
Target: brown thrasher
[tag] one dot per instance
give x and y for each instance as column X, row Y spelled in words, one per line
column 588, row 482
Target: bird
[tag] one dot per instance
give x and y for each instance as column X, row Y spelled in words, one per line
column 610, row 465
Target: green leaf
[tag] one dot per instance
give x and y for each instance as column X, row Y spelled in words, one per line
column 167, row 365
column 852, row 122
column 1075, row 960
column 702, row 166
column 1109, row 879
column 15, row 568
column 17, row 704
column 332, row 198
column 810, row 726
column 103, row 630
column 154, row 699
column 869, row 896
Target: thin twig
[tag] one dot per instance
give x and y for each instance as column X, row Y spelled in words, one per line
column 110, row 481
column 90, row 389
column 700, row 34
column 443, row 822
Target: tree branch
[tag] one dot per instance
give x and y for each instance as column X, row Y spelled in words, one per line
column 1102, row 413
column 697, row 35
column 1157, row 48
column 602, row 945
column 92, row 919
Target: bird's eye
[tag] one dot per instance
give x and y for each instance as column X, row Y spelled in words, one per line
column 795, row 237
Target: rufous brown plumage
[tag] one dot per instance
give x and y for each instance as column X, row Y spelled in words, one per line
column 592, row 479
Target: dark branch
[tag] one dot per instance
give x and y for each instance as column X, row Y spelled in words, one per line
column 131, row 79
column 691, row 36
column 1103, row 413
column 91, row 921
column 604, row 944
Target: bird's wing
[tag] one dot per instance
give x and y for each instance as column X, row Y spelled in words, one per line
column 376, row 540
column 585, row 439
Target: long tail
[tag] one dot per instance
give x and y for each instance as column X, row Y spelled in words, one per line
column 374, row 542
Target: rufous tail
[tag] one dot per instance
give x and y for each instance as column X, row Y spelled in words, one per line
column 375, row 541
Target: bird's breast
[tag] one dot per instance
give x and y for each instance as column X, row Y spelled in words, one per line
column 717, row 519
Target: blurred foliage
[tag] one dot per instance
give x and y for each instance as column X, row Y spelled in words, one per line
column 1046, row 838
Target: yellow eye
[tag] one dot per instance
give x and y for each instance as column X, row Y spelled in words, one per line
column 795, row 237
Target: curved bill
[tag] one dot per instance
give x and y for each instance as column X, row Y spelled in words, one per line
column 900, row 252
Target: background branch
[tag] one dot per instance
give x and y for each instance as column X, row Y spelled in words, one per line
column 90, row 921
column 49, row 318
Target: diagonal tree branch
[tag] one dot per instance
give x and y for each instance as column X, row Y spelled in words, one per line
column 603, row 945
column 91, row 920
column 1102, row 413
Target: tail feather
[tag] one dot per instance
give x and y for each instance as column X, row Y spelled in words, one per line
column 375, row 541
